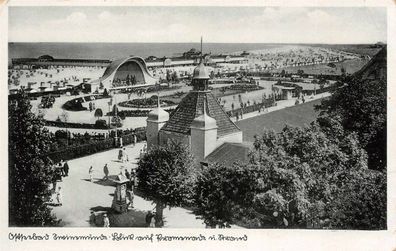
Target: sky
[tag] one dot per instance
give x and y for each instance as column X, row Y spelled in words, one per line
column 188, row 24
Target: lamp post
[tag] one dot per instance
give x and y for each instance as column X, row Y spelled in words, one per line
column 65, row 117
column 116, row 118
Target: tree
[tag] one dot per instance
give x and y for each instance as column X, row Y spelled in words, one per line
column 168, row 76
column 224, row 194
column 174, row 77
column 322, row 82
column 300, row 72
column 343, row 72
column 105, row 93
column 361, row 107
column 98, row 113
column 115, row 109
column 30, row 173
column 166, row 175
column 298, row 178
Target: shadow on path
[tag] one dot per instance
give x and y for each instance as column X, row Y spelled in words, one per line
column 108, row 182
column 132, row 218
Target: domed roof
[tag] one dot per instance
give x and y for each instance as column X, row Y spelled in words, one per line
column 158, row 114
column 46, row 57
column 204, row 121
column 200, row 72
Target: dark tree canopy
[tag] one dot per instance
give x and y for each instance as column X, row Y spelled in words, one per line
column 166, row 176
column 301, row 177
column 98, row 113
column 360, row 106
column 29, row 172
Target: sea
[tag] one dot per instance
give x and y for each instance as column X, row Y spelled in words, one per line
column 111, row 51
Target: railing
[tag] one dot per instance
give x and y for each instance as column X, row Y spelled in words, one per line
column 91, row 148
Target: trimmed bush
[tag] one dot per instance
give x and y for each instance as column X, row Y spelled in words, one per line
column 101, row 124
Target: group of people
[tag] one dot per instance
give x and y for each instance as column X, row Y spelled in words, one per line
column 91, row 106
column 151, row 219
column 122, row 155
column 61, row 170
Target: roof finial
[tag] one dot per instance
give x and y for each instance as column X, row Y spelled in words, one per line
column 201, row 47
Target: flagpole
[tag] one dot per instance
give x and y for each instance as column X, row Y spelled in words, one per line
column 109, row 116
column 116, row 119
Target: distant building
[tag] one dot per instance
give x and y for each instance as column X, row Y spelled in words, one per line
column 192, row 53
column 124, row 73
column 47, row 60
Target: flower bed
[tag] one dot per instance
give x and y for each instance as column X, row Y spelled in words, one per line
column 146, row 103
column 76, row 104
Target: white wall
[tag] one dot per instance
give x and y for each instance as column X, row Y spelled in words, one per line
column 203, row 142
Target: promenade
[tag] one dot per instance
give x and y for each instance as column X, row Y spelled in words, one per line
column 281, row 104
column 80, row 196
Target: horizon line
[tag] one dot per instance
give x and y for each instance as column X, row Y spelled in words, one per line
column 307, row 43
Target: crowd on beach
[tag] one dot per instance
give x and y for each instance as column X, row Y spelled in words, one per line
column 51, row 77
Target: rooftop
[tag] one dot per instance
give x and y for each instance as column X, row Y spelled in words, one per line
column 229, row 153
column 192, row 105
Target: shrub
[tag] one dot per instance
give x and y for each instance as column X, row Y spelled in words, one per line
column 101, row 124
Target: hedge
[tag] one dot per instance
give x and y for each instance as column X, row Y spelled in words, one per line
column 99, row 146
column 135, row 113
column 74, row 125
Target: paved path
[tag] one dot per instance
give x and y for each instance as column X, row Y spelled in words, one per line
column 80, row 196
column 282, row 104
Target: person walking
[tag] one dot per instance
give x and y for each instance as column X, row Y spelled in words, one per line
column 130, row 198
column 134, row 139
column 149, row 216
column 124, row 155
column 66, row 169
column 120, row 155
column 90, row 172
column 106, row 172
column 60, row 169
column 145, row 148
column 128, row 176
column 59, row 196
column 92, row 218
column 152, row 222
column 106, row 221
column 133, row 179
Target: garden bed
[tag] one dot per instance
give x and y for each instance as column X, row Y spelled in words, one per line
column 151, row 102
column 76, row 104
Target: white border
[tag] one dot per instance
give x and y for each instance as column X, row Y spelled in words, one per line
column 257, row 239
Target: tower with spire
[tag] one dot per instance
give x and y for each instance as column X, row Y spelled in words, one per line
column 198, row 122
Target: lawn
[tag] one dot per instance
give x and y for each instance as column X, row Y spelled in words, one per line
column 299, row 115
column 350, row 66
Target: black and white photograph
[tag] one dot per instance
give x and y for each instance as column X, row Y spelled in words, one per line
column 197, row 117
